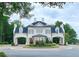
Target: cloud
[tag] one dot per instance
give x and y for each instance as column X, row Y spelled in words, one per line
column 69, row 14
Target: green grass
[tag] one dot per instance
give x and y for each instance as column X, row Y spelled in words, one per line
column 2, row 45
column 2, row 54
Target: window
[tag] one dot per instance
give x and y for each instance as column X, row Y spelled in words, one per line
column 31, row 31
column 39, row 30
column 57, row 30
column 20, row 30
column 47, row 31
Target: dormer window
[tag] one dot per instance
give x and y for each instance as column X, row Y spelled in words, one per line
column 57, row 29
column 20, row 30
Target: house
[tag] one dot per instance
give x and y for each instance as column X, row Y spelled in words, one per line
column 38, row 31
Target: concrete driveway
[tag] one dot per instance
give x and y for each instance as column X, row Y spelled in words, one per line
column 62, row 51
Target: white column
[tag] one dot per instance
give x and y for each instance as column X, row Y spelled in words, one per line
column 52, row 39
column 34, row 40
column 27, row 41
column 15, row 41
column 61, row 41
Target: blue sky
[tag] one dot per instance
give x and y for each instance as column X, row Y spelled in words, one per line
column 69, row 14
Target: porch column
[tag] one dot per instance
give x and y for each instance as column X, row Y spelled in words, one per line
column 61, row 41
column 52, row 39
column 27, row 41
column 15, row 41
column 34, row 40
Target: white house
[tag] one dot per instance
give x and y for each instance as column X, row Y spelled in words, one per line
column 38, row 31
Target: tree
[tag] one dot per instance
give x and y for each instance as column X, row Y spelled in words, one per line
column 53, row 4
column 3, row 27
column 8, row 8
column 58, row 23
column 17, row 22
column 70, row 34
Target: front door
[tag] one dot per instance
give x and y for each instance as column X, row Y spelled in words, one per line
column 31, row 40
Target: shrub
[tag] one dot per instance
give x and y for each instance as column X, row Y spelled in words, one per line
column 54, row 44
column 2, row 54
column 3, row 42
column 12, row 44
column 50, row 44
column 47, row 41
column 39, row 43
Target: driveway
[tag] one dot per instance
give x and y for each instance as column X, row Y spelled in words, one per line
column 62, row 51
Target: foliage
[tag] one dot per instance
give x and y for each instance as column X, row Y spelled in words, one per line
column 43, row 45
column 53, row 4
column 70, row 33
column 6, row 9
column 3, row 42
column 6, row 32
column 2, row 54
column 58, row 23
column 12, row 44
column 39, row 43
column 17, row 22
column 3, row 27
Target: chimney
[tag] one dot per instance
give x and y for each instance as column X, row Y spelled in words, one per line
column 34, row 19
column 42, row 19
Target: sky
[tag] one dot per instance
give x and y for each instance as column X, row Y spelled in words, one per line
column 69, row 14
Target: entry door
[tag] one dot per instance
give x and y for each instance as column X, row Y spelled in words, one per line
column 31, row 40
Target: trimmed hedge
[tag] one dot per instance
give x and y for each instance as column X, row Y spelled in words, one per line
column 2, row 54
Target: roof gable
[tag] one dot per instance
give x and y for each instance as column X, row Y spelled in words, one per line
column 39, row 23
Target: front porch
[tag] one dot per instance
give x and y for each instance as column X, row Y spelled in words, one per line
column 36, row 38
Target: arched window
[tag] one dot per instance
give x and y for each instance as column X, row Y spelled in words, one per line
column 57, row 29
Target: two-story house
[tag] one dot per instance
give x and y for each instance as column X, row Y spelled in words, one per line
column 38, row 31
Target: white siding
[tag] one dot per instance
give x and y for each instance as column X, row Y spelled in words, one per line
column 40, row 30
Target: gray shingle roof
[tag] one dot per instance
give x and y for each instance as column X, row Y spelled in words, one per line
column 25, row 30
